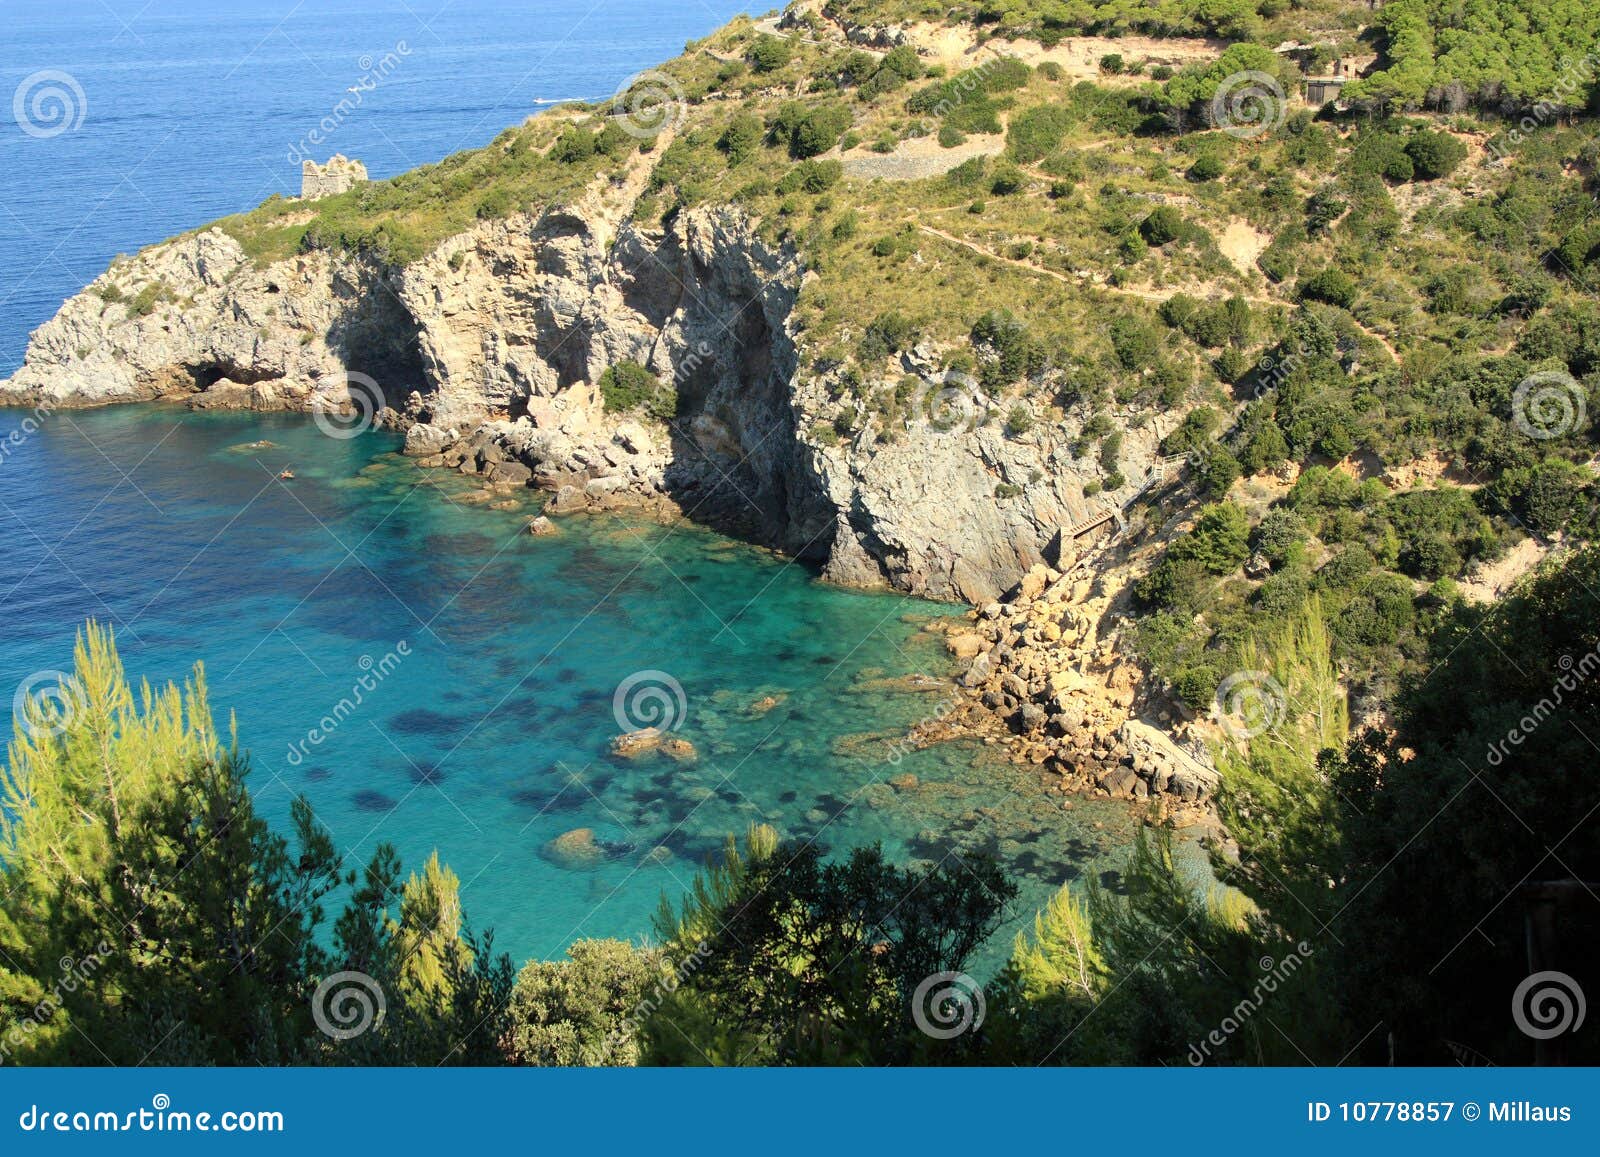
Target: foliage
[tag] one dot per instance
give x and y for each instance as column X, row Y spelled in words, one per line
column 1494, row 51
column 769, row 53
column 1434, row 155
column 1464, row 801
column 1332, row 285
column 809, row 129
column 629, row 386
column 582, row 1010
column 741, row 138
column 150, row 914
column 811, row 961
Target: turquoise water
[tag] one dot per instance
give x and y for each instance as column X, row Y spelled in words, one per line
column 492, row 661
column 491, row 736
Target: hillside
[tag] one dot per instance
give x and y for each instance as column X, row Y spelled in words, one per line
column 1080, row 303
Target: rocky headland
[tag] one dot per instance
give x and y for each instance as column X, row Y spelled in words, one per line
column 487, row 352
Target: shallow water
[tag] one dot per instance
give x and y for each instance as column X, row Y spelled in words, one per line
column 492, row 662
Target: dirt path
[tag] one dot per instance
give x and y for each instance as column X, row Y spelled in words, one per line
column 919, row 158
column 1084, row 280
column 1078, row 56
column 993, row 256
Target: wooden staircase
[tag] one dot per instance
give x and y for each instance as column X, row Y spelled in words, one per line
column 1159, row 470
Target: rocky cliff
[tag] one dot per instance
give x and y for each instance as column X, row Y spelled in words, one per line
column 497, row 337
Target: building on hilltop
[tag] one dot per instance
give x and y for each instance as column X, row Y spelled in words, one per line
column 339, row 174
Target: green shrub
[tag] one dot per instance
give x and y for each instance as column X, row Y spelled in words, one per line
column 886, row 334
column 769, row 53
column 969, row 173
column 150, row 295
column 1162, row 224
column 1134, row 341
column 1332, row 285
column 1008, row 179
column 741, row 138
column 494, row 204
column 1016, row 353
column 1206, row 167
column 812, row 177
column 579, row 1011
column 1219, row 542
column 1280, row 535
column 1034, row 133
column 1218, row 470
column 809, row 130
column 628, row 386
column 1435, row 155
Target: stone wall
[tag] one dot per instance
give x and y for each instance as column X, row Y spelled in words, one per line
column 338, row 175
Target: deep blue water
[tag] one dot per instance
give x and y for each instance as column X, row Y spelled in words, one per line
column 488, row 734
column 190, row 109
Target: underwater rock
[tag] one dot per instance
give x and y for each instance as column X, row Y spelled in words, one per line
column 631, row 744
column 680, row 749
column 574, row 849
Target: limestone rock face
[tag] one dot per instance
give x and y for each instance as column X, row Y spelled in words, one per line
column 195, row 313
column 486, row 351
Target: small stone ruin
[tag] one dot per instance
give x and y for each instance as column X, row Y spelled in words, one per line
column 339, row 174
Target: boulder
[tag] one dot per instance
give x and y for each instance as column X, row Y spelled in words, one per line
column 680, row 749
column 635, row 743
column 965, row 646
column 575, row 849
column 423, row 440
column 1119, row 780
column 224, row 394
column 542, row 527
column 567, row 500
column 514, row 473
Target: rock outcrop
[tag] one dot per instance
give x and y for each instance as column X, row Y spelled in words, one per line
column 1069, row 697
column 487, row 350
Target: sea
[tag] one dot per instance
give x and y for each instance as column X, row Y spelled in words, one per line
column 389, row 648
